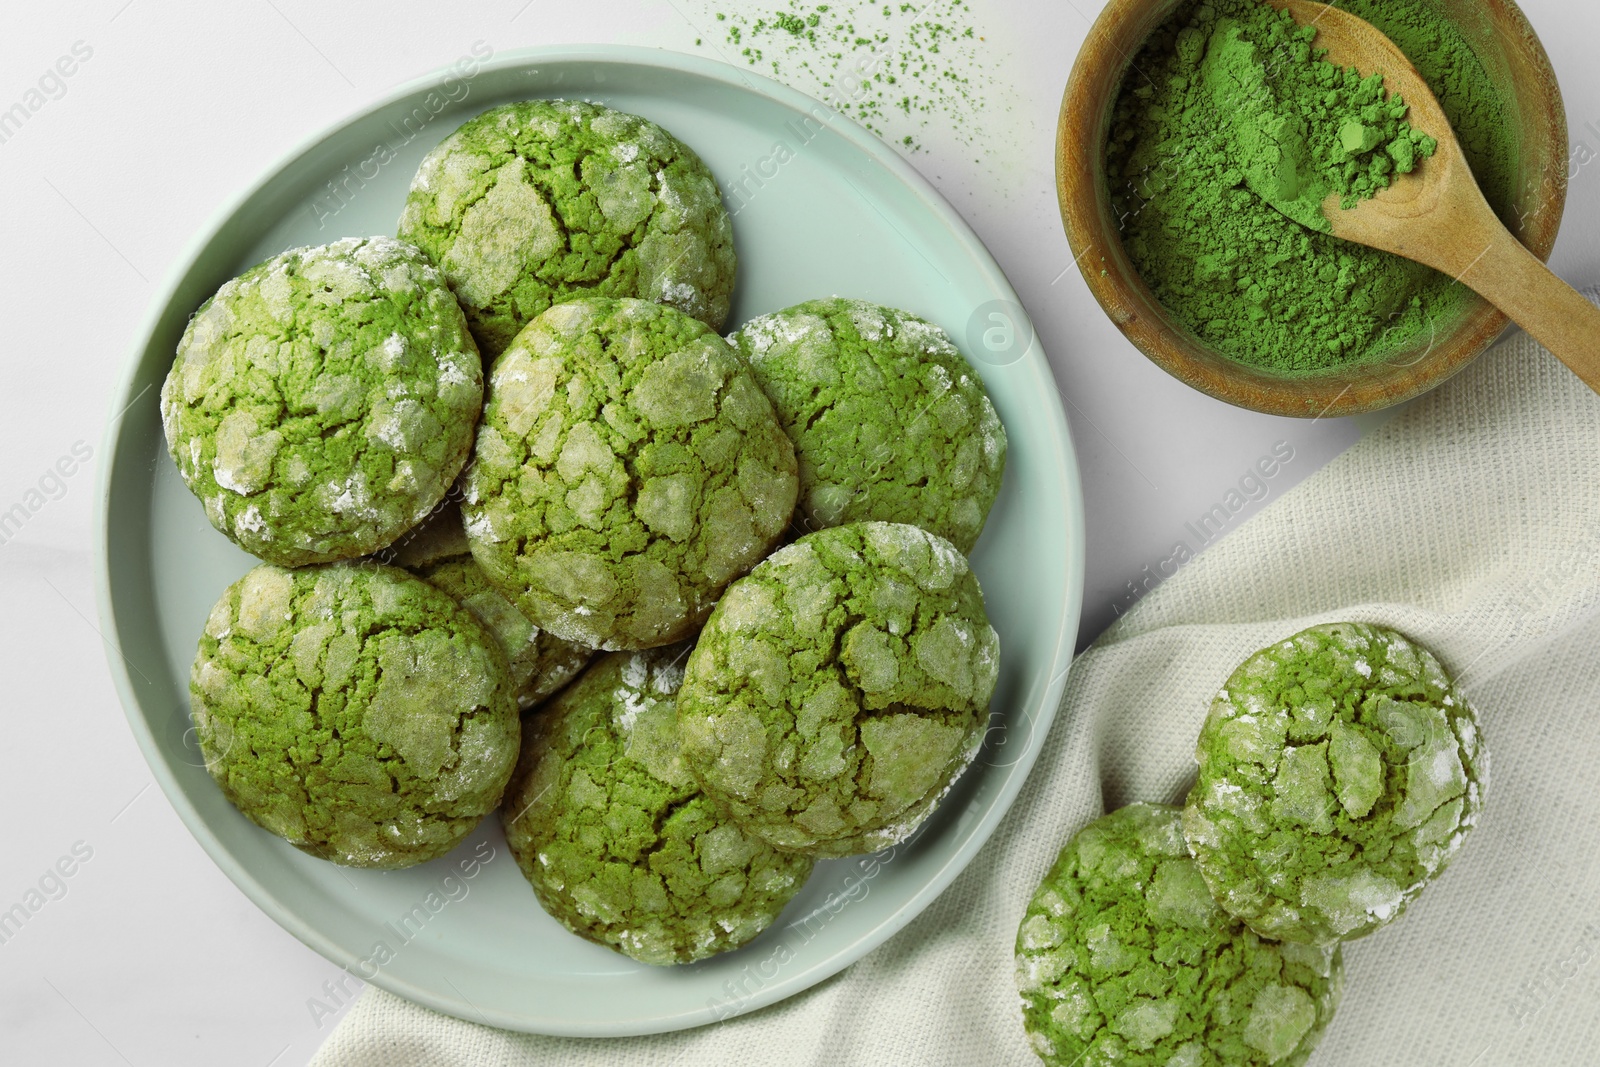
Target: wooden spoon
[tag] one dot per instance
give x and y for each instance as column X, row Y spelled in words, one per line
column 1437, row 214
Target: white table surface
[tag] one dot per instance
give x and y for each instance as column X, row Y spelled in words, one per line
column 146, row 954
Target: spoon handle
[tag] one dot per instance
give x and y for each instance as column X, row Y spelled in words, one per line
column 1554, row 314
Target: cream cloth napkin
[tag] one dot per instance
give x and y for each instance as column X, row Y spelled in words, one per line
column 1470, row 522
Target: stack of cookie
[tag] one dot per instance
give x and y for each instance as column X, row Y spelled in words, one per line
column 476, row 458
column 1340, row 770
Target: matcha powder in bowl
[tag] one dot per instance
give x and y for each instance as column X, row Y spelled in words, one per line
column 1229, row 131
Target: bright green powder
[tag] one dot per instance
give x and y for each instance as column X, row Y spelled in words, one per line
column 1229, row 133
column 897, row 68
column 1302, row 128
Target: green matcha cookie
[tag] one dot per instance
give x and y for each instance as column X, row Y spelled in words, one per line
column 534, row 203
column 438, row 537
column 1123, row 958
column 437, row 551
column 322, row 402
column 611, row 828
column 541, row 663
column 353, row 710
column 888, row 420
column 627, row 469
column 839, row 690
column 1339, row 773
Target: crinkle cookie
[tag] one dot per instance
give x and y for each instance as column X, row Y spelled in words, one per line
column 534, row 203
column 322, row 402
column 627, row 469
column 438, row 537
column 541, row 663
column 437, row 552
column 839, row 690
column 610, row 827
column 353, row 710
column 1339, row 773
column 888, row 420
column 1123, row 958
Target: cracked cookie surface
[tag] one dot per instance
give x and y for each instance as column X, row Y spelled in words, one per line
column 1124, row 958
column 540, row 662
column 534, row 203
column 1339, row 773
column 322, row 403
column 888, row 419
column 354, row 710
column 838, row 691
column 628, row 467
column 612, row 830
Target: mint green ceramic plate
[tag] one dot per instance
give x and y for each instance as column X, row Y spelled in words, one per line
column 822, row 207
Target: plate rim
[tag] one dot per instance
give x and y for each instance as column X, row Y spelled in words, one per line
column 1063, row 467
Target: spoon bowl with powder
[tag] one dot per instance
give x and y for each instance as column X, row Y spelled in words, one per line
column 1435, row 213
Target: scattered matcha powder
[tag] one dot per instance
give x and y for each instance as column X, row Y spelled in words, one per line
column 1228, row 110
column 900, row 69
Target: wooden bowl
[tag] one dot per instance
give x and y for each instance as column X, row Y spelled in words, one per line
column 1507, row 46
